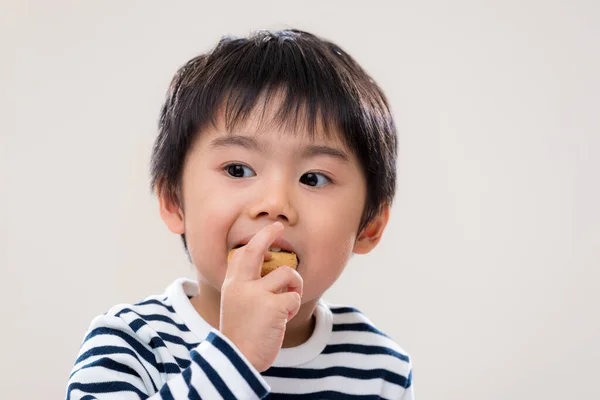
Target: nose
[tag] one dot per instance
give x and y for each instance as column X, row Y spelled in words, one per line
column 274, row 202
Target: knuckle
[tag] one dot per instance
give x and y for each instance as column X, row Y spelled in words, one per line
column 273, row 303
column 251, row 249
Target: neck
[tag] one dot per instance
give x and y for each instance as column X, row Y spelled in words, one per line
column 298, row 330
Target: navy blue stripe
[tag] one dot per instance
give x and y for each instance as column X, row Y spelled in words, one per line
column 131, row 341
column 105, row 387
column 154, row 317
column 167, row 337
column 409, row 380
column 183, row 364
column 344, row 310
column 88, row 397
column 238, row 363
column 213, row 376
column 105, row 350
column 136, row 324
column 165, row 392
column 111, row 364
column 357, row 327
column 353, row 373
column 363, row 349
column 187, row 378
column 156, row 342
column 326, row 394
column 158, row 303
column 159, row 341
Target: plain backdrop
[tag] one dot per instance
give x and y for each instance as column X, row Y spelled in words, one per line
column 488, row 274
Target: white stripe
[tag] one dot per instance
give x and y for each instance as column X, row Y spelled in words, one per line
column 178, row 388
column 409, row 394
column 149, row 309
column 390, row 391
column 351, row 318
column 360, row 361
column 365, row 338
column 335, row 383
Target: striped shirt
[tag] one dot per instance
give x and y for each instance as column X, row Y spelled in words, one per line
column 161, row 348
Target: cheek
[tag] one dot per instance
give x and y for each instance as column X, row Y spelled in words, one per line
column 330, row 250
column 209, row 207
column 208, row 218
column 324, row 266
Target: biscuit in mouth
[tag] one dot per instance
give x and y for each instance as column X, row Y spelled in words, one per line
column 280, row 257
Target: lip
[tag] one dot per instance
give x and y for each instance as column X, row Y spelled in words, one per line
column 279, row 242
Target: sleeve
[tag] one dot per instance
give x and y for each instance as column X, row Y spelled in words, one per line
column 114, row 363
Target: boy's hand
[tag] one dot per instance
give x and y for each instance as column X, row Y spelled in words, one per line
column 255, row 310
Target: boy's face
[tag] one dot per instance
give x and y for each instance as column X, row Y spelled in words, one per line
column 236, row 183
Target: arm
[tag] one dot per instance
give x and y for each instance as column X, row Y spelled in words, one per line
column 114, row 363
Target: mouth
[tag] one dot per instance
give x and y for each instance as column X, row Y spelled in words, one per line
column 279, row 246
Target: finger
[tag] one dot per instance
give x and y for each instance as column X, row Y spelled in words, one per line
column 282, row 279
column 267, row 257
column 291, row 301
column 246, row 261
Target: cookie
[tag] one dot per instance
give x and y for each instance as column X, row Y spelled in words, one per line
column 279, row 258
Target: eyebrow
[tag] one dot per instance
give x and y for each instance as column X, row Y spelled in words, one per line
column 251, row 143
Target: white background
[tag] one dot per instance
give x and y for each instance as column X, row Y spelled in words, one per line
column 488, row 274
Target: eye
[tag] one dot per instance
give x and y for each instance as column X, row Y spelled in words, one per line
column 315, row 179
column 239, row 170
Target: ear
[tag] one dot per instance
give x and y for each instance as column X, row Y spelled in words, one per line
column 371, row 234
column 170, row 212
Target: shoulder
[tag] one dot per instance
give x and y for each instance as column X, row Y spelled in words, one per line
column 353, row 332
column 357, row 325
column 137, row 339
column 151, row 321
column 151, row 308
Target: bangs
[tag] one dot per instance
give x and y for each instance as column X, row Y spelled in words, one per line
column 279, row 108
column 240, row 77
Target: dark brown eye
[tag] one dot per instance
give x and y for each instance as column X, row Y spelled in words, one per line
column 312, row 179
column 237, row 170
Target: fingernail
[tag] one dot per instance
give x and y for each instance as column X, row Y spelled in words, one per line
column 278, row 225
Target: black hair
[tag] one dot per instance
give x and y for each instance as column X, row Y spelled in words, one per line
column 321, row 84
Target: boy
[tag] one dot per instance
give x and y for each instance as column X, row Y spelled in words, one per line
column 275, row 142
